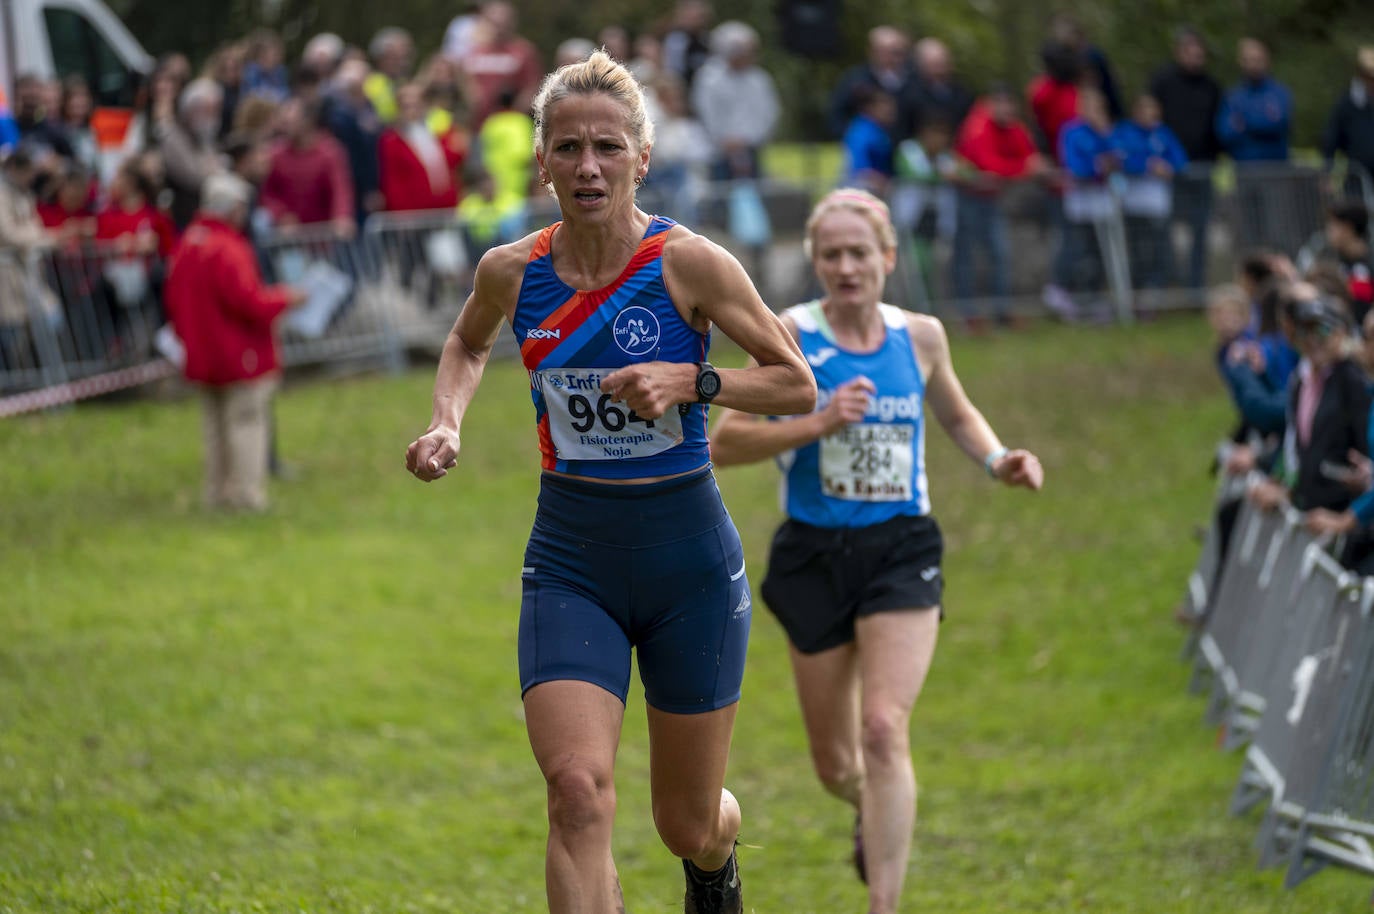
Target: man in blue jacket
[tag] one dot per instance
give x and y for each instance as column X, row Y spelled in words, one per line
column 1255, row 116
column 1253, row 125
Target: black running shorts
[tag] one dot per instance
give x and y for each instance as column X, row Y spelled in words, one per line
column 820, row 580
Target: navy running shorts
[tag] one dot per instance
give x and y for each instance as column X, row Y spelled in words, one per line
column 657, row 568
column 820, row 580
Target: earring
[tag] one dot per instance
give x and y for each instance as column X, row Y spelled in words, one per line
column 639, row 180
column 545, row 180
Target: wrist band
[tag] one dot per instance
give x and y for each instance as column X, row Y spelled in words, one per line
column 990, row 460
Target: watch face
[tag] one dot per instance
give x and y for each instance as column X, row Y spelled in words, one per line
column 708, row 384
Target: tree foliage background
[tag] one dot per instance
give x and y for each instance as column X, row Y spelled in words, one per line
column 993, row 40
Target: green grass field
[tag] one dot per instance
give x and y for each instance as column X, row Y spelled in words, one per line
column 317, row 710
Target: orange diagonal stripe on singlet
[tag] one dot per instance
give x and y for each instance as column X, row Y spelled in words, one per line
column 571, row 313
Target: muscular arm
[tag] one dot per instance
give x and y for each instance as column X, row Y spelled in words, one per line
column 743, row 438
column 709, row 285
column 464, row 358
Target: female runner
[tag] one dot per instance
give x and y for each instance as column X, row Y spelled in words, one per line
column 854, row 572
column 631, row 546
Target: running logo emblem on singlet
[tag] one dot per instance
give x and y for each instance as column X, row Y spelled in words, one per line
column 636, row 331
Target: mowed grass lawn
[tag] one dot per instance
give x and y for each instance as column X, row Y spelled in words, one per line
column 317, row 710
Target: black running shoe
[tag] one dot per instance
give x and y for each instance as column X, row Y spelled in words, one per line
column 713, row 893
column 859, row 863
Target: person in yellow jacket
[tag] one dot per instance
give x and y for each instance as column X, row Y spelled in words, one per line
column 392, row 52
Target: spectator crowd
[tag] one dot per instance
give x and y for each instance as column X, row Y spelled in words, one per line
column 344, row 135
column 952, row 158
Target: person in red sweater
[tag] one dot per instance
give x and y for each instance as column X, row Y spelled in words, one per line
column 224, row 316
column 130, row 220
column 309, row 180
column 996, row 148
column 68, row 215
column 418, row 168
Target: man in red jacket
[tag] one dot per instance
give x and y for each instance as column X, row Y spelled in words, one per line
column 224, row 314
column 995, row 148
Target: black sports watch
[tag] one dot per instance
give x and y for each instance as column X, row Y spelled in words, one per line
column 708, row 382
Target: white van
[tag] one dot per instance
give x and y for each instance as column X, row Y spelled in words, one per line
column 56, row 38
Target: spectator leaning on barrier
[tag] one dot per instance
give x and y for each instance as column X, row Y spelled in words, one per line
column 418, row 169
column 1350, row 127
column 186, row 130
column 1357, row 521
column 69, row 213
column 224, row 317
column 1328, row 411
column 999, row 149
column 1255, row 115
column 1189, row 99
column 887, row 69
column 308, row 181
column 1262, row 407
column 1267, row 278
column 1151, row 160
column 1347, row 233
column 130, row 217
column 736, row 101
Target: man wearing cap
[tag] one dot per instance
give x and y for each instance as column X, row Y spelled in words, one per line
column 224, row 316
column 1350, row 128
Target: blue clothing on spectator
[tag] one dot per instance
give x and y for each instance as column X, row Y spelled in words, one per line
column 868, row 148
column 1081, row 148
column 1280, row 359
column 1254, row 119
column 9, row 131
column 1262, row 406
column 357, row 130
column 270, row 83
column 1138, row 146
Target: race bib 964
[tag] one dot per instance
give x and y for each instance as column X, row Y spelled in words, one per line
column 868, row 461
column 586, row 425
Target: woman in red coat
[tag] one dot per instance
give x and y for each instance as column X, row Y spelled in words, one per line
column 418, row 169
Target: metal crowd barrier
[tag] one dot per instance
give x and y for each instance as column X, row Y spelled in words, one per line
column 344, row 318
column 1287, row 640
column 93, row 311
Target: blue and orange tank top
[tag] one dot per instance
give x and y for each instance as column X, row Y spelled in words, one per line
column 570, row 339
column 870, row 471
